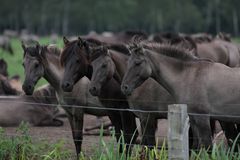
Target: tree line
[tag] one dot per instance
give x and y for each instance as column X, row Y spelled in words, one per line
column 82, row 16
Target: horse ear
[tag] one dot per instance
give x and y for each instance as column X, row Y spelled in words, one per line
column 39, row 49
column 65, row 40
column 80, row 42
column 104, row 50
column 138, row 50
column 23, row 46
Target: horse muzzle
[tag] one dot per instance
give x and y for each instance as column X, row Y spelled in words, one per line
column 94, row 91
column 67, row 86
column 126, row 90
column 28, row 88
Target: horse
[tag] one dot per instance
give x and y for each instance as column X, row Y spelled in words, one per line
column 43, row 62
column 108, row 64
column 188, row 80
column 74, row 58
column 37, row 110
column 220, row 51
column 120, row 37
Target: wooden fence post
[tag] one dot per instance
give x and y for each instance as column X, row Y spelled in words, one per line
column 178, row 126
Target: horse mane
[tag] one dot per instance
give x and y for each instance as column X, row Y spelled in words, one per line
column 135, row 32
column 202, row 38
column 120, row 48
column 103, row 49
column 224, row 36
column 170, row 50
column 53, row 49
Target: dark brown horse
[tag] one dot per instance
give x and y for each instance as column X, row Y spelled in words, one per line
column 74, row 58
column 38, row 110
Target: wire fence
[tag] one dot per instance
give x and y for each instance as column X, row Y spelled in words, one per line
column 8, row 99
column 26, row 100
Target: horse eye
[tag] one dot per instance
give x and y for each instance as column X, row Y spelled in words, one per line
column 36, row 65
column 104, row 65
column 78, row 61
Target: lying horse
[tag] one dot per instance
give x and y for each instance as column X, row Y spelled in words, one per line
column 38, row 110
column 195, row 82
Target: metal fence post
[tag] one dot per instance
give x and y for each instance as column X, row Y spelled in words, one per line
column 178, row 126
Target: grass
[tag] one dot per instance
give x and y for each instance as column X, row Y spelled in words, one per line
column 23, row 147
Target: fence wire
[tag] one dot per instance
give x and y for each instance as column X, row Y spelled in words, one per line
column 21, row 100
column 4, row 99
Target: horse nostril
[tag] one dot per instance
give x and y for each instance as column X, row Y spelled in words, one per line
column 125, row 87
column 66, row 84
column 29, row 87
column 94, row 88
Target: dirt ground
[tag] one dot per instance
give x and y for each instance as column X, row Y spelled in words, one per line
column 54, row 134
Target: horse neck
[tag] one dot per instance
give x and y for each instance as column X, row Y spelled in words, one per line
column 53, row 72
column 168, row 72
column 120, row 61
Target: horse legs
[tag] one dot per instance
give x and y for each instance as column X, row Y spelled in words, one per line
column 230, row 131
column 149, row 126
column 191, row 138
column 129, row 127
column 115, row 118
column 76, row 122
column 201, row 131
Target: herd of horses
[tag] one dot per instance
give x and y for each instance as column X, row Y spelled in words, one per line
column 134, row 75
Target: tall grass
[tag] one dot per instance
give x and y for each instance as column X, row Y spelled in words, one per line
column 23, row 147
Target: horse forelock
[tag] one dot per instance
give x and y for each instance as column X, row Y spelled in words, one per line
column 69, row 50
column 31, row 51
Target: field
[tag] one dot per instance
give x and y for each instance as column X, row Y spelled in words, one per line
column 56, row 142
